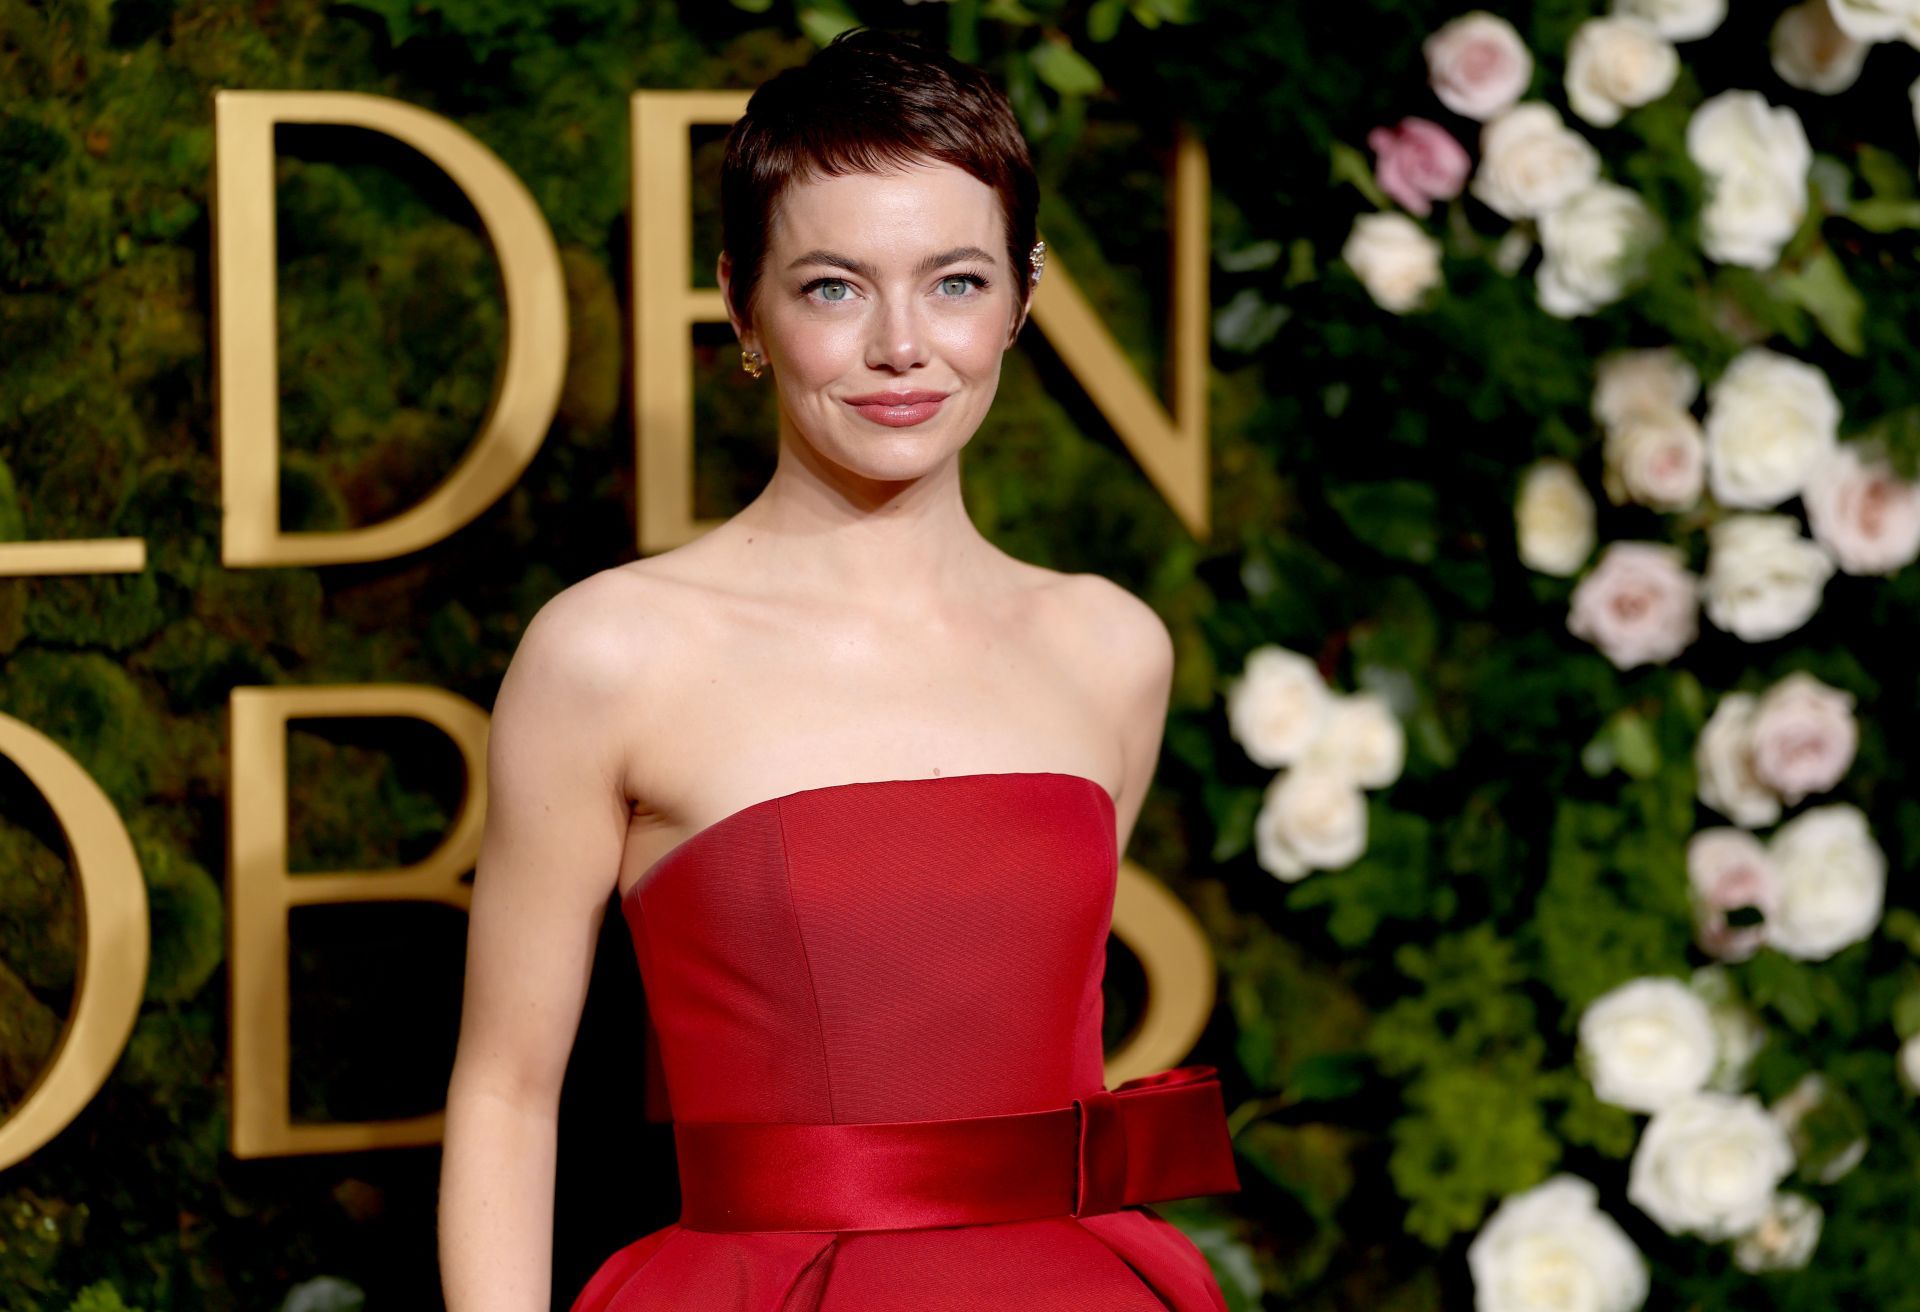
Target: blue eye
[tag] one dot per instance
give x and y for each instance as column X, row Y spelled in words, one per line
column 955, row 286
column 832, row 289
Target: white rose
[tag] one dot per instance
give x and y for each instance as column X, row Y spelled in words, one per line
column 1639, row 605
column 1820, row 1157
column 1646, row 1043
column 1811, row 52
column 1553, row 518
column 1551, row 1249
column 1276, row 706
column 1677, row 20
column 1723, row 760
column 1833, row 882
column 1316, row 814
column 1395, row 258
column 1655, row 378
column 1593, row 247
column 1878, row 20
column 1908, row 1063
column 1708, row 1163
column 1756, row 159
column 1531, row 162
column 1763, row 579
column 1862, row 512
column 1271, row 849
column 1362, row 739
column 1656, row 459
column 1730, row 870
column 1616, row 64
column 1477, row 64
column 1803, row 737
column 1771, row 421
column 1785, row 1237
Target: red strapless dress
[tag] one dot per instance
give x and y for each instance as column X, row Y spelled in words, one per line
column 877, row 1007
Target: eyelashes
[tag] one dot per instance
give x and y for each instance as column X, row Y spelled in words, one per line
column 979, row 281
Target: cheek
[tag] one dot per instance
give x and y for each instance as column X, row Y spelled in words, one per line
column 972, row 344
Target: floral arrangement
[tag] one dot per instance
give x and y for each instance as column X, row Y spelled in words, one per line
column 1739, row 503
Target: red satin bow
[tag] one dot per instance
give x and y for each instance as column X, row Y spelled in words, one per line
column 1154, row 1137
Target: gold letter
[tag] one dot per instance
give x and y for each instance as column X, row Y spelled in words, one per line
column 247, row 414
column 261, row 893
column 112, row 973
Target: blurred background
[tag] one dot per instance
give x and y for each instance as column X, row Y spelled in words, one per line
column 1533, row 763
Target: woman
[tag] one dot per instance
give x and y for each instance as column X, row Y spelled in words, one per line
column 859, row 781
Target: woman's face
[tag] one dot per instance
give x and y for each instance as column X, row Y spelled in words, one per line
column 883, row 309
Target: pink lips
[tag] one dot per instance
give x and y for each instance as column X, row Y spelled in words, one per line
column 898, row 409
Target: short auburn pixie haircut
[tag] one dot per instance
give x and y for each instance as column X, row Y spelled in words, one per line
column 870, row 102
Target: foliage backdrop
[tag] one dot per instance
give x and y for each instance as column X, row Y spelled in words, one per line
column 1396, row 1037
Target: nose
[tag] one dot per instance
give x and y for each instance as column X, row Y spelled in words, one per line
column 898, row 341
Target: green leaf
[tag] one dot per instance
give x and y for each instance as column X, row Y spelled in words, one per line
column 823, row 20
column 1821, row 285
column 1394, row 517
column 1248, row 321
column 753, row 6
column 1103, row 20
column 1349, row 165
column 1887, row 215
column 1234, row 811
column 1886, row 174
column 1064, row 69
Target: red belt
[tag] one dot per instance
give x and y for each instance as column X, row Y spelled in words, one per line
column 1154, row 1137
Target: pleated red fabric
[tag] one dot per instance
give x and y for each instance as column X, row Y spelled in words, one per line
column 878, row 969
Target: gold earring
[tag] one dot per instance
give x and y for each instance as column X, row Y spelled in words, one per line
column 752, row 363
column 1037, row 257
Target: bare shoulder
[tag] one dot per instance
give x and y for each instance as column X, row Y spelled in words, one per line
column 1118, row 639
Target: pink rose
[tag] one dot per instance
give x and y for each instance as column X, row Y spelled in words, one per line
column 1419, row 162
column 1728, row 870
column 1477, row 64
column 1639, row 605
column 1803, row 737
column 1867, row 516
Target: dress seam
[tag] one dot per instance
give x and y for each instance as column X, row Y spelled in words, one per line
column 806, row 960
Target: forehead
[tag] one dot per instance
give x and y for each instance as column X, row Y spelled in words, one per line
column 902, row 212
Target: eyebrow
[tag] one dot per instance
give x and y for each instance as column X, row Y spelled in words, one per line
column 865, row 270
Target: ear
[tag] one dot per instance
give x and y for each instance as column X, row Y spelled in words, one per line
column 1021, row 314
column 742, row 329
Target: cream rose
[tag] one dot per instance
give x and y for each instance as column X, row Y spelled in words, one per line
column 1727, row 870
column 1553, row 518
column 1763, row 579
column 1756, row 159
column 1738, row 1034
column 1313, row 818
column 1551, row 1249
column 1396, row 259
column 1658, row 460
column 1772, row 421
column 1277, row 705
column 1803, row 737
column 1708, row 1164
column 1594, row 247
column 1654, row 378
column 1907, row 1063
column 1723, row 761
column 1822, row 1155
column 1531, row 162
column 1677, row 20
column 1639, row 605
column 1811, row 51
column 1362, row 739
column 1833, row 882
column 1785, row 1237
column 1616, row 64
column 1646, row 1042
column 1477, row 64
column 1862, row 512
column 1878, row 20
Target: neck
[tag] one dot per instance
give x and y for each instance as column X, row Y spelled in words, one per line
column 821, row 529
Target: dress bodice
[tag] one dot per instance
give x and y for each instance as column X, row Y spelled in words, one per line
column 893, row 950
